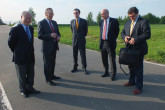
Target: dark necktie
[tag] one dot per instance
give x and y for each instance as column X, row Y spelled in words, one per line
column 28, row 33
column 51, row 26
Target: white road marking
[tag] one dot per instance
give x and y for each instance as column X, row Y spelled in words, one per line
column 5, row 102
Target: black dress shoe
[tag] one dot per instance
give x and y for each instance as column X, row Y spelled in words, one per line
column 34, row 91
column 113, row 79
column 51, row 83
column 24, row 94
column 105, row 75
column 85, row 71
column 55, row 77
column 74, row 70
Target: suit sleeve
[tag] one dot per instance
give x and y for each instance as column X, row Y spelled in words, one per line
column 12, row 38
column 41, row 34
column 71, row 26
column 86, row 28
column 123, row 32
column 116, row 28
column 146, row 33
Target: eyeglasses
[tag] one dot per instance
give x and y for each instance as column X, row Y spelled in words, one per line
column 75, row 13
column 132, row 16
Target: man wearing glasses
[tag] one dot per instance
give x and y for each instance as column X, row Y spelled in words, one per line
column 49, row 33
column 79, row 29
column 135, row 33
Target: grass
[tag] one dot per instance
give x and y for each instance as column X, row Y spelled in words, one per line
column 156, row 43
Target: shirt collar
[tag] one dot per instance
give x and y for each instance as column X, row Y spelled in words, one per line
column 24, row 26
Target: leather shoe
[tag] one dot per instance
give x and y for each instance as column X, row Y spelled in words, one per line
column 113, row 79
column 85, row 71
column 136, row 91
column 74, row 70
column 51, row 83
column 34, row 91
column 105, row 75
column 24, row 94
column 128, row 84
column 55, row 77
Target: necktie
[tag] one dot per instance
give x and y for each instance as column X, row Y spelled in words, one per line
column 104, row 31
column 51, row 26
column 77, row 23
column 28, row 33
column 131, row 28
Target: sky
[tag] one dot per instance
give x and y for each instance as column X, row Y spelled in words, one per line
column 10, row 10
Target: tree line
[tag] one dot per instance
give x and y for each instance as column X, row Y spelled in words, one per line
column 150, row 17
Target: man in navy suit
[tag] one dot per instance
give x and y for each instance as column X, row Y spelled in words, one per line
column 135, row 33
column 49, row 33
column 79, row 30
column 109, row 30
column 21, row 44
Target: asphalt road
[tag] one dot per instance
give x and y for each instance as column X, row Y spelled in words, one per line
column 77, row 91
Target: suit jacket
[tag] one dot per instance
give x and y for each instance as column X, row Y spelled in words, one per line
column 49, row 44
column 113, row 32
column 22, row 48
column 80, row 33
column 141, row 32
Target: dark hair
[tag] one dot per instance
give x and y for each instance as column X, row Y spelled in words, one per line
column 48, row 9
column 133, row 9
column 77, row 10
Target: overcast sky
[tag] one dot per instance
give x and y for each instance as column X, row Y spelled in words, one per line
column 10, row 10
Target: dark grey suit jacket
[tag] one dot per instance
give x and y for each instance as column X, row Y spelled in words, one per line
column 141, row 32
column 22, row 48
column 113, row 31
column 80, row 33
column 49, row 44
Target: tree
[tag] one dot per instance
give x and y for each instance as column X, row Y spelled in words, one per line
column 98, row 18
column 1, row 22
column 152, row 18
column 89, row 19
column 33, row 16
column 162, row 20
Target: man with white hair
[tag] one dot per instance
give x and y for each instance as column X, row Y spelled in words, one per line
column 21, row 44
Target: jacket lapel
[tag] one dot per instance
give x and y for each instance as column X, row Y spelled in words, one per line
column 136, row 25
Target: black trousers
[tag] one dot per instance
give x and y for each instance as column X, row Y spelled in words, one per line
column 82, row 51
column 105, row 52
column 49, row 65
column 25, row 74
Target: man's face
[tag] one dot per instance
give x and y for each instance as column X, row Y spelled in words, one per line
column 104, row 15
column 133, row 16
column 76, row 13
column 49, row 14
column 26, row 19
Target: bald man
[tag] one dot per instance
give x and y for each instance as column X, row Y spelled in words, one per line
column 109, row 30
column 21, row 44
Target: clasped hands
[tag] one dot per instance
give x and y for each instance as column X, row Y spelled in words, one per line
column 54, row 35
column 129, row 40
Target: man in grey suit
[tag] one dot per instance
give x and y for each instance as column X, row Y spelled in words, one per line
column 79, row 29
column 21, row 44
column 109, row 30
column 49, row 33
column 135, row 33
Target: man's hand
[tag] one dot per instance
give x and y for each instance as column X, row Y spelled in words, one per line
column 53, row 35
column 127, row 39
column 58, row 38
column 132, row 41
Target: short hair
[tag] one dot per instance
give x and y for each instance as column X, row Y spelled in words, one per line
column 25, row 12
column 133, row 9
column 106, row 10
column 77, row 10
column 48, row 9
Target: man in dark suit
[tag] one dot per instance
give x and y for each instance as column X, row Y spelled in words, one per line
column 109, row 30
column 135, row 33
column 79, row 29
column 21, row 44
column 49, row 33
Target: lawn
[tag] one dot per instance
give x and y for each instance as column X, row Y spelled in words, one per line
column 156, row 43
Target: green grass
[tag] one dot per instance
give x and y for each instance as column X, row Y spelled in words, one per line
column 156, row 43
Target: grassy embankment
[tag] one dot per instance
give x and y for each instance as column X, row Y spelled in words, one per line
column 156, row 43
